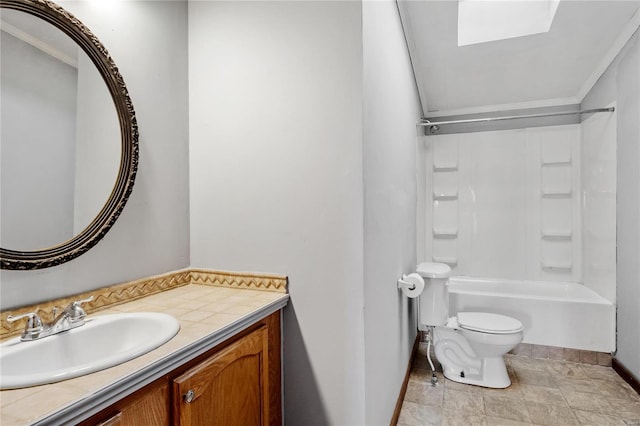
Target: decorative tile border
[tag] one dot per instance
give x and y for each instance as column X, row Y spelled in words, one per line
column 115, row 295
column 267, row 282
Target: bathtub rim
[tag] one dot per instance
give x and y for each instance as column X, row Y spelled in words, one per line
column 594, row 298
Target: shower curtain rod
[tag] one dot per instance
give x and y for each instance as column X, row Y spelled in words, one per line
column 434, row 125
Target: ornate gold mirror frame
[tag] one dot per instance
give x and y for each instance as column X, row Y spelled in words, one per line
column 65, row 21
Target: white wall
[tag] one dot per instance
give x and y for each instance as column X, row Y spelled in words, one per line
column 620, row 84
column 147, row 40
column 276, row 179
column 391, row 109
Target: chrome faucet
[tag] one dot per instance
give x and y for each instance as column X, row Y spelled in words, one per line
column 71, row 317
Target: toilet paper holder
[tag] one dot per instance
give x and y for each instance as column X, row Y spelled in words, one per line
column 411, row 285
column 405, row 285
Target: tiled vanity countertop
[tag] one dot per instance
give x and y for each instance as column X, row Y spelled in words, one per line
column 208, row 315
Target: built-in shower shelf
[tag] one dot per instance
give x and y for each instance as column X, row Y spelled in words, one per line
column 445, row 168
column 445, row 233
column 554, row 194
column 445, row 197
column 602, row 193
column 556, row 235
column 451, row 261
column 555, row 163
column 557, row 267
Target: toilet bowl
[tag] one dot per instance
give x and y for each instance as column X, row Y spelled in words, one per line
column 471, row 345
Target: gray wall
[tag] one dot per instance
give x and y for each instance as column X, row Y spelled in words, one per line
column 97, row 157
column 147, row 40
column 276, row 179
column 621, row 84
column 37, row 159
column 279, row 103
column 391, row 109
column 316, row 182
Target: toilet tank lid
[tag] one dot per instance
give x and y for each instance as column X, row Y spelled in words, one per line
column 434, row 270
column 489, row 323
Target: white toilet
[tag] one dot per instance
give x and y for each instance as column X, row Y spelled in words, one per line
column 470, row 346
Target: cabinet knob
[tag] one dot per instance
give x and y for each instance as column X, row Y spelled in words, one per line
column 189, row 396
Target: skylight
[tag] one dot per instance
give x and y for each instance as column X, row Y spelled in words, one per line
column 480, row 21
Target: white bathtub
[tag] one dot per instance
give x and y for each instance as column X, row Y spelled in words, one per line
column 568, row 315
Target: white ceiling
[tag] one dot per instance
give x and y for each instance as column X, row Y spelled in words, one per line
column 553, row 68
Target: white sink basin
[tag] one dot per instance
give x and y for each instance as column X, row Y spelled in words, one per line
column 104, row 341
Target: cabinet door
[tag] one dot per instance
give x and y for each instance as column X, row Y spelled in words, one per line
column 229, row 388
column 148, row 407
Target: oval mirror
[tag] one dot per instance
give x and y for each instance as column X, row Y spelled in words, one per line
column 68, row 137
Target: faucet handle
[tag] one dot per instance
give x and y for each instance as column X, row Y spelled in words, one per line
column 78, row 302
column 33, row 326
column 75, row 311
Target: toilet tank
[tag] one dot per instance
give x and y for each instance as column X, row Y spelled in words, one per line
column 434, row 300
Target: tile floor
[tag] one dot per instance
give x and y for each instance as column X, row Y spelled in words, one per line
column 542, row 392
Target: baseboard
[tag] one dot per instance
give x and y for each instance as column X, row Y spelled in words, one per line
column 405, row 383
column 562, row 354
column 627, row 375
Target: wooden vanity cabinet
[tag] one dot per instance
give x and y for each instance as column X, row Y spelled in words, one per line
column 236, row 383
column 146, row 407
column 229, row 388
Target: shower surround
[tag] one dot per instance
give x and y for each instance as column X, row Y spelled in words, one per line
column 525, row 207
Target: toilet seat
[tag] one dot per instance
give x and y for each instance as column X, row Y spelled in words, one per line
column 484, row 322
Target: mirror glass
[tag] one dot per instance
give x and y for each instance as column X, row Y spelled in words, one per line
column 60, row 147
